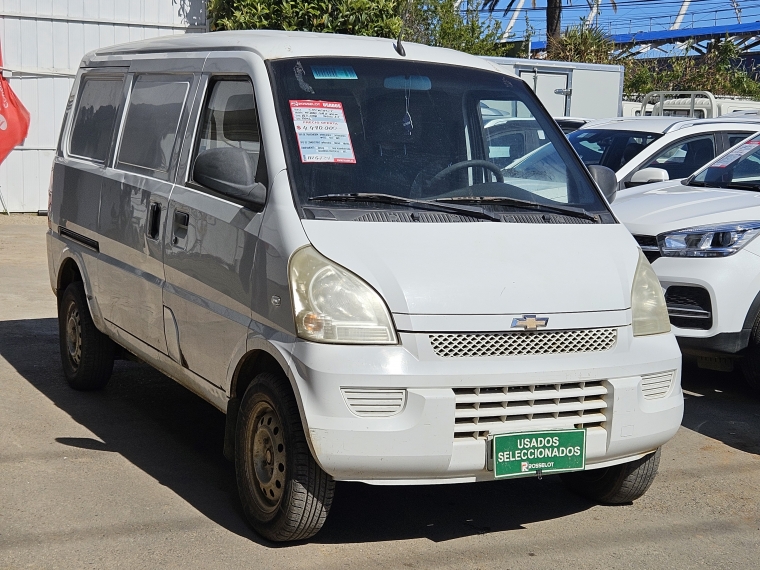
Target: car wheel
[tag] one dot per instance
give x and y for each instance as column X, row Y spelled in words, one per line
column 87, row 354
column 617, row 484
column 750, row 364
column 284, row 493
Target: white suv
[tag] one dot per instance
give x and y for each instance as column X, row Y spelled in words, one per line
column 654, row 149
column 699, row 236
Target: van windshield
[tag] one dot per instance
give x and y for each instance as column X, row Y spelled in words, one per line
column 421, row 132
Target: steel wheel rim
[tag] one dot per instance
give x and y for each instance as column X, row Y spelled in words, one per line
column 74, row 335
column 268, row 457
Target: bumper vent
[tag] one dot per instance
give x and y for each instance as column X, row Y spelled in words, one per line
column 689, row 307
column 480, row 411
column 369, row 403
column 649, row 246
column 470, row 345
column 655, row 386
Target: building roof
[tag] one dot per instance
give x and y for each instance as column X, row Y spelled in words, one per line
column 271, row 44
column 680, row 35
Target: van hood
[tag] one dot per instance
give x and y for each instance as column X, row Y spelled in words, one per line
column 485, row 268
column 654, row 209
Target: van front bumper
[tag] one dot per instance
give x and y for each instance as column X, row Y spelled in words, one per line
column 418, row 444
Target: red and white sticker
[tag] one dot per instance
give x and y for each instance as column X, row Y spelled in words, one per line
column 739, row 152
column 322, row 131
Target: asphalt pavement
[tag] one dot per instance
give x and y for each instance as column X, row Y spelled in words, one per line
column 134, row 477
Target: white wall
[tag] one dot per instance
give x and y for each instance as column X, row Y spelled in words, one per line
column 42, row 43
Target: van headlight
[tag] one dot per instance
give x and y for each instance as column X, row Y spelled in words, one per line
column 650, row 313
column 720, row 240
column 333, row 305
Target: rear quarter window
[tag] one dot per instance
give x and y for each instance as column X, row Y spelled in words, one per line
column 95, row 116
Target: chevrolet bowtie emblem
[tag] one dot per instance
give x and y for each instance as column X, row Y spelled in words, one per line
column 530, row 322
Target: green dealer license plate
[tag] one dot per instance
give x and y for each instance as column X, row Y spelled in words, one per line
column 517, row 454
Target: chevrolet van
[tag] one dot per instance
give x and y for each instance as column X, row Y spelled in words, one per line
column 318, row 235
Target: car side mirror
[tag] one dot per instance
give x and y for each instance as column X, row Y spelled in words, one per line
column 649, row 175
column 606, row 180
column 231, row 172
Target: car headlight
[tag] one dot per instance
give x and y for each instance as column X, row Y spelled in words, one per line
column 333, row 305
column 650, row 313
column 708, row 241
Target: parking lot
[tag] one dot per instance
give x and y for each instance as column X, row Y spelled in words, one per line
column 134, row 477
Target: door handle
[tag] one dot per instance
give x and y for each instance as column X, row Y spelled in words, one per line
column 154, row 220
column 181, row 222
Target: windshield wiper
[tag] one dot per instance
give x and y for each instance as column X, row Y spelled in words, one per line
column 516, row 203
column 410, row 202
column 728, row 185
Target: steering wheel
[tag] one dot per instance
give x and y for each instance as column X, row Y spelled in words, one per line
column 468, row 164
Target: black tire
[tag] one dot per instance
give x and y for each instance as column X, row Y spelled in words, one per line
column 87, row 354
column 750, row 364
column 615, row 485
column 284, row 493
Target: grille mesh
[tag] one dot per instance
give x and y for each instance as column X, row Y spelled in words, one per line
column 462, row 345
column 480, row 411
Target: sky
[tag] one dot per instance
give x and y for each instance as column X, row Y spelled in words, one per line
column 636, row 15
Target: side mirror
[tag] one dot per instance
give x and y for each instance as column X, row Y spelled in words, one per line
column 649, row 175
column 606, row 180
column 231, row 172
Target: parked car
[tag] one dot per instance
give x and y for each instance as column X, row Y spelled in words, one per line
column 310, row 232
column 653, row 149
column 699, row 235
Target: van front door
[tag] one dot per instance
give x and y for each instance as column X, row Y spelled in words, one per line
column 211, row 240
column 134, row 202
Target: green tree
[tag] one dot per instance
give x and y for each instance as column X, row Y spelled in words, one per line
column 357, row 17
column 441, row 23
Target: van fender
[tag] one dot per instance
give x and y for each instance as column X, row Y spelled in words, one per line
column 77, row 257
column 257, row 343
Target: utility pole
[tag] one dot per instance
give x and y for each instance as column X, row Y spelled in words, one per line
column 681, row 13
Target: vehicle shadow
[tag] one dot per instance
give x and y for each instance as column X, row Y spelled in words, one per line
column 722, row 407
column 176, row 438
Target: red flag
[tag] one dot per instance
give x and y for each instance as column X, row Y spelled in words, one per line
column 14, row 118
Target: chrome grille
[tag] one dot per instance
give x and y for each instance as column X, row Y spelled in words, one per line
column 522, row 343
column 655, row 386
column 480, row 411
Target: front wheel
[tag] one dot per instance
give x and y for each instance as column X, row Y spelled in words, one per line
column 617, row 484
column 284, row 493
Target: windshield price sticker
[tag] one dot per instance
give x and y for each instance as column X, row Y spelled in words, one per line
column 322, row 132
column 521, row 454
column 736, row 154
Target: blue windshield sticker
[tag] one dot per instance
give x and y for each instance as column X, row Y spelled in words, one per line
column 333, row 72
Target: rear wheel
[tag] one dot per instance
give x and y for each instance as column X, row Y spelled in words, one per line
column 284, row 493
column 617, row 484
column 87, row 354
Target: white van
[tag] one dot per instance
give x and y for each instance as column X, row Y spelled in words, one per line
column 313, row 233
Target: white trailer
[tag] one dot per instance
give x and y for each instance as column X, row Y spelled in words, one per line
column 43, row 42
column 567, row 89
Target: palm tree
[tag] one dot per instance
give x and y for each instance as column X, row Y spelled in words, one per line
column 553, row 13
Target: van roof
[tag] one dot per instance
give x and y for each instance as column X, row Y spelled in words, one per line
column 270, row 44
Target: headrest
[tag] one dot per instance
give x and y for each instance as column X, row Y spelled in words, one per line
column 239, row 123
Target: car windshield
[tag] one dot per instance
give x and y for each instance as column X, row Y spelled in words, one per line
column 402, row 130
column 610, row 147
column 739, row 168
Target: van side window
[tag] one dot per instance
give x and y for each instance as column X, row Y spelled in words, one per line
column 95, row 115
column 150, row 129
column 229, row 118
